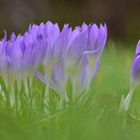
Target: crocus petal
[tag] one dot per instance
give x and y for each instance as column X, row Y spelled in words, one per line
column 61, row 42
column 135, row 72
column 51, row 32
column 57, row 81
column 137, row 49
column 40, row 77
column 134, row 80
column 96, row 68
column 13, row 37
column 82, row 81
column 135, row 69
column 78, row 46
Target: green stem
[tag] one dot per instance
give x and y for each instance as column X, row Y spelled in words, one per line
column 125, row 103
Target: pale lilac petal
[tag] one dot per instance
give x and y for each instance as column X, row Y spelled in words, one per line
column 13, row 37
column 83, row 81
column 96, row 68
column 40, row 77
column 135, row 71
column 78, row 46
column 57, row 81
column 137, row 49
column 61, row 42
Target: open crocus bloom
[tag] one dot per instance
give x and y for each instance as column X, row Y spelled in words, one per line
column 134, row 80
column 73, row 55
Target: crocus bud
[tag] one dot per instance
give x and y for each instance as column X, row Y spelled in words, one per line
column 134, row 80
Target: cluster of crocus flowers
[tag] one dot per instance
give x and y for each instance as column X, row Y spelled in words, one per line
column 20, row 56
column 68, row 56
column 72, row 56
column 134, row 80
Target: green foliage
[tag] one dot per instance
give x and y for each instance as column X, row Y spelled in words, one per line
column 94, row 115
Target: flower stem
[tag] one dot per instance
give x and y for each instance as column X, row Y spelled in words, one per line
column 125, row 103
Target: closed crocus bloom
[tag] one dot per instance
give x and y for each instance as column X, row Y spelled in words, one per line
column 96, row 43
column 55, row 77
column 65, row 61
column 51, row 32
column 74, row 57
column 135, row 70
column 84, row 54
column 14, row 57
column 52, row 54
column 134, row 80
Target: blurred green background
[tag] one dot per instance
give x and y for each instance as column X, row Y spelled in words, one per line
column 121, row 16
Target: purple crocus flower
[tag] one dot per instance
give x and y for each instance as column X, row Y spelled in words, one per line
column 135, row 71
column 84, row 52
column 134, row 80
column 20, row 56
column 52, row 56
column 73, row 55
column 54, row 60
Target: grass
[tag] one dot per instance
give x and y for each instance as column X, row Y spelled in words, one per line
column 94, row 117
